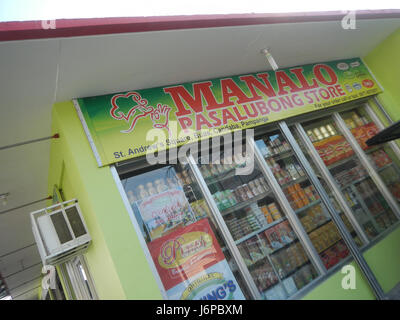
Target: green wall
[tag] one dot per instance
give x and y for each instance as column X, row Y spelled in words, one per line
column 384, row 63
column 116, row 260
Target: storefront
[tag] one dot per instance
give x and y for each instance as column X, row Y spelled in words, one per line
column 271, row 213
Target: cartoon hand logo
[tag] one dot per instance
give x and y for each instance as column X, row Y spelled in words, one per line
column 160, row 116
column 140, row 110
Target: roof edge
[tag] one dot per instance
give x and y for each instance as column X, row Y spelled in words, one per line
column 60, row 28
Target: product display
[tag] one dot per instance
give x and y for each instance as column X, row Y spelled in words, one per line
column 254, row 213
column 297, row 188
column 366, row 201
column 255, row 220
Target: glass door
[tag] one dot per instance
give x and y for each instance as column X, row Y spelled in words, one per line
column 268, row 244
column 382, row 158
column 303, row 198
column 181, row 235
column 354, row 181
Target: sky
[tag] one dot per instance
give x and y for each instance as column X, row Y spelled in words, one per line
column 22, row 10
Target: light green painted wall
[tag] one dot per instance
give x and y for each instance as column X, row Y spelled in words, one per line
column 116, row 259
column 384, row 63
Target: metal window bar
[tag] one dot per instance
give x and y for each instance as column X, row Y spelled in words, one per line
column 355, row 252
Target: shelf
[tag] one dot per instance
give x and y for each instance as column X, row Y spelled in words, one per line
column 385, row 166
column 308, row 206
column 372, row 149
column 287, row 245
column 220, row 177
column 292, row 272
column 354, row 182
column 340, row 162
column 279, row 156
column 244, row 204
column 288, row 184
column 330, row 246
column 250, row 235
column 320, row 225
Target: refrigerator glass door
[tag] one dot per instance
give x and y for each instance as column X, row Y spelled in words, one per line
column 182, row 236
column 382, row 157
column 270, row 248
column 303, row 198
column 367, row 203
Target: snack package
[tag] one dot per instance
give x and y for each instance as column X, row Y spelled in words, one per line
column 360, row 135
column 286, row 233
column 272, row 235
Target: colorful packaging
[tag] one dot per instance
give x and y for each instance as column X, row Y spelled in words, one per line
column 273, row 209
column 273, row 238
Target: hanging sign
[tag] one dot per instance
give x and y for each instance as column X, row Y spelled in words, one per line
column 192, row 266
column 129, row 124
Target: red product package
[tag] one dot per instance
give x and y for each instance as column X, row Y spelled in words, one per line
column 370, row 130
column 320, row 149
column 360, row 135
column 273, row 237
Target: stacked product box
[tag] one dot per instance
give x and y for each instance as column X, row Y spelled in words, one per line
column 380, row 158
column 314, row 217
column 264, row 276
column 345, row 177
column 324, row 237
column 334, row 254
column 333, row 149
column 299, row 197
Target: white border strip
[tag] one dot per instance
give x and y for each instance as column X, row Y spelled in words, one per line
column 136, row 226
column 88, row 135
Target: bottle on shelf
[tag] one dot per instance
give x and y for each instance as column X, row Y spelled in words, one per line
column 311, row 135
column 324, row 132
column 318, row 134
column 142, row 192
column 331, row 130
column 150, row 189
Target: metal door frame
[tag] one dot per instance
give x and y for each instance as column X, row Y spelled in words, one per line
column 355, row 252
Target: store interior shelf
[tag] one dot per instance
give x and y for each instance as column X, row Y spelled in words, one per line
column 340, row 162
column 281, row 155
column 244, row 204
column 256, row 263
column 355, row 182
column 250, row 235
column 220, row 177
column 330, row 246
column 293, row 271
column 320, row 225
column 308, row 206
column 372, row 149
column 385, row 166
column 288, row 184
